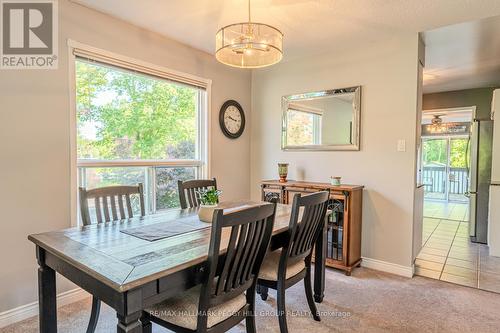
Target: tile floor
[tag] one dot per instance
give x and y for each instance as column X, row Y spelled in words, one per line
column 448, row 254
column 449, row 211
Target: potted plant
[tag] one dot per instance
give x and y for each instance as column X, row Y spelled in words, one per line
column 209, row 198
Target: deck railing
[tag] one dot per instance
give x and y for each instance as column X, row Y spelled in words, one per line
column 435, row 178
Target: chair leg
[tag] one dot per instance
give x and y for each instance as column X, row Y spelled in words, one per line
column 309, row 294
column 146, row 323
column 250, row 315
column 94, row 315
column 263, row 292
column 282, row 308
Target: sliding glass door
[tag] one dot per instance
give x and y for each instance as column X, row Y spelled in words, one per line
column 444, row 168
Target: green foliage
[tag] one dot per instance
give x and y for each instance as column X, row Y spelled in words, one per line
column 209, row 196
column 458, row 151
column 435, row 152
column 136, row 116
column 300, row 128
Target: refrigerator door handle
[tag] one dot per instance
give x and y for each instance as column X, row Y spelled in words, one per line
column 472, row 214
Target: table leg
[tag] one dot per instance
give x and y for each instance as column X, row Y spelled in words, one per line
column 129, row 323
column 47, row 305
column 319, row 265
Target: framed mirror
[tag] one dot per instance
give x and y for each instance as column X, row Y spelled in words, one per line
column 322, row 120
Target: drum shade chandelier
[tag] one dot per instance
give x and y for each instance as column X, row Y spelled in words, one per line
column 249, row 44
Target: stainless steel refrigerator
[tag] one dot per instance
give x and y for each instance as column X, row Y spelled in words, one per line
column 480, row 145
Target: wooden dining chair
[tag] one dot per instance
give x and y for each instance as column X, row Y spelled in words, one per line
column 227, row 294
column 187, row 191
column 112, row 203
column 285, row 267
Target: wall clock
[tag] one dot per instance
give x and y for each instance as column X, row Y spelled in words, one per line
column 232, row 119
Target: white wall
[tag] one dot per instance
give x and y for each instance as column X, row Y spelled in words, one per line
column 387, row 73
column 35, row 137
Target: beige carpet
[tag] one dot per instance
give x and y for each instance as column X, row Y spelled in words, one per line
column 368, row 301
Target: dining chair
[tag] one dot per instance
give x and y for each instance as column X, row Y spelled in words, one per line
column 227, row 294
column 290, row 264
column 106, row 200
column 188, row 188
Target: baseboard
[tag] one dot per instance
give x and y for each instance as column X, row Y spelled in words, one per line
column 29, row 310
column 384, row 266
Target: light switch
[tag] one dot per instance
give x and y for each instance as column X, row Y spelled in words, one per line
column 401, row 145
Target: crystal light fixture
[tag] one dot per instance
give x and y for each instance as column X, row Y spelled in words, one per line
column 249, row 44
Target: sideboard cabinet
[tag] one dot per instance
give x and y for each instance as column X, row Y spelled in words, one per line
column 344, row 223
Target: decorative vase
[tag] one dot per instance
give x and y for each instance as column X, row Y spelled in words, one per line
column 206, row 213
column 335, row 181
column 283, row 171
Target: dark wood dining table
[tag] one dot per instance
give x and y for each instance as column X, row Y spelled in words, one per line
column 129, row 273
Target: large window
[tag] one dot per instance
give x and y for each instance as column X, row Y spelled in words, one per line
column 135, row 127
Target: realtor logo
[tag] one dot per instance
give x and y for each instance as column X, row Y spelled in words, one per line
column 29, row 34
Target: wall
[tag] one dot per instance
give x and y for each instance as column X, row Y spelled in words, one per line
column 480, row 97
column 387, row 73
column 35, row 137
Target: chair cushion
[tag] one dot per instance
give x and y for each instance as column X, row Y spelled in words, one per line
column 182, row 310
column 269, row 268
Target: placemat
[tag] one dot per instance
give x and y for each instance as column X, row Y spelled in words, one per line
column 161, row 230
column 167, row 229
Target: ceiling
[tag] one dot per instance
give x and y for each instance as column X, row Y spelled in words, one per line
column 310, row 26
column 463, row 56
column 458, row 55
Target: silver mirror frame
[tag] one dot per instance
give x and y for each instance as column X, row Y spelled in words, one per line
column 356, row 128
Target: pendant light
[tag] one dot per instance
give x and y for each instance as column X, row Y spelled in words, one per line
column 249, row 44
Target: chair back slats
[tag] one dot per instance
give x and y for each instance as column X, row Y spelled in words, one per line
column 129, row 205
column 113, row 208
column 249, row 237
column 120, row 205
column 106, row 208
column 106, row 200
column 231, row 282
column 255, row 249
column 257, row 229
column 98, row 210
column 229, row 257
column 242, row 272
column 305, row 231
column 187, row 191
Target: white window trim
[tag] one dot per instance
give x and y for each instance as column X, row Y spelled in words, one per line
column 148, row 68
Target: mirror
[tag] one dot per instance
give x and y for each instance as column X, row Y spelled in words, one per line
column 322, row 120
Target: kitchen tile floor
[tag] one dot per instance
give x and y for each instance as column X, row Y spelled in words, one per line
column 448, row 254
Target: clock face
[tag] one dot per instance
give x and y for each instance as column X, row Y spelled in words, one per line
column 232, row 119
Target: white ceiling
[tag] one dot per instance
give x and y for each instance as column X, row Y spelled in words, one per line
column 310, row 26
column 463, row 56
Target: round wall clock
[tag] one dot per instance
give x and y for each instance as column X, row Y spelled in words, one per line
column 232, row 119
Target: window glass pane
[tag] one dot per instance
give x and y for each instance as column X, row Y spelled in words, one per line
column 125, row 115
column 101, row 177
column 167, row 194
column 435, row 152
column 300, row 129
column 458, row 153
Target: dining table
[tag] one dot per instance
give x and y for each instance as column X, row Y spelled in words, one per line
column 134, row 263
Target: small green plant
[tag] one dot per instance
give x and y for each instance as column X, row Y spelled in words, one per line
column 209, row 196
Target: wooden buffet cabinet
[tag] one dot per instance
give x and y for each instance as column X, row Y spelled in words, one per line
column 344, row 224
